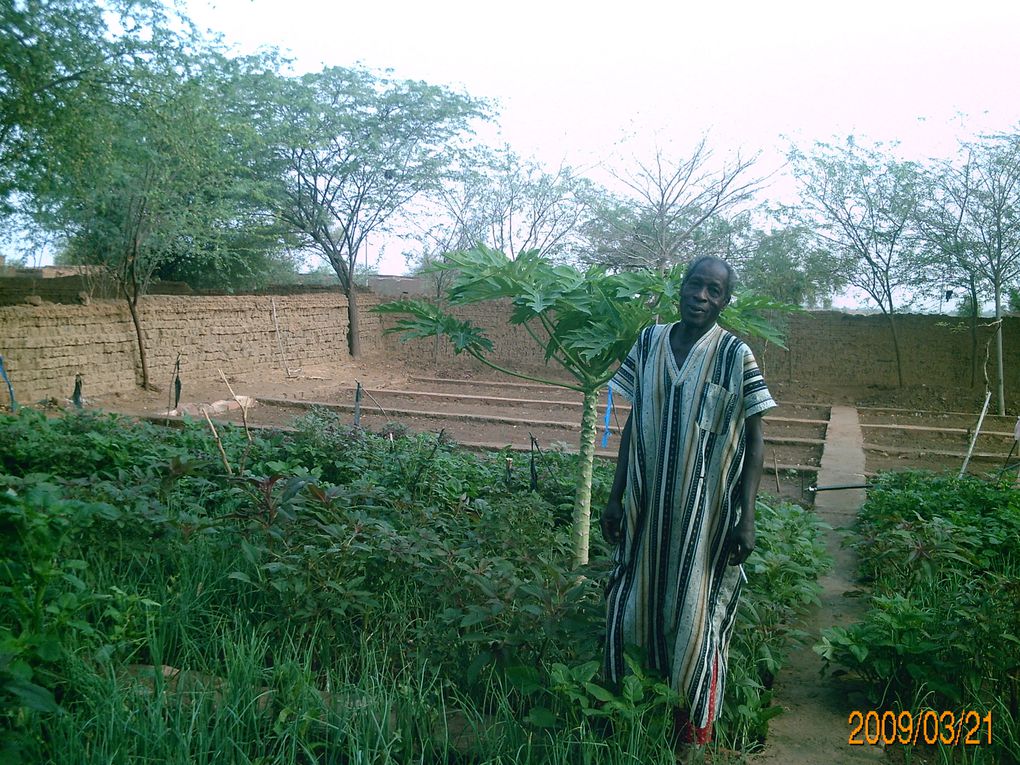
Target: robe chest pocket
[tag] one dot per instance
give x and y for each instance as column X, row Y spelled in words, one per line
column 714, row 407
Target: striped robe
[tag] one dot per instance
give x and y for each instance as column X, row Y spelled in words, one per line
column 671, row 593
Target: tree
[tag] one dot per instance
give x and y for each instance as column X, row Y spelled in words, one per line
column 455, row 220
column 147, row 176
column 585, row 322
column 52, row 53
column 670, row 200
column 946, row 193
column 787, row 265
column 971, row 219
column 357, row 148
column 991, row 226
column 46, row 49
column 526, row 208
column 860, row 203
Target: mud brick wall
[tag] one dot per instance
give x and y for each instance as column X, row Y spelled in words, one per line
column 44, row 346
column 833, row 348
column 823, row 347
column 15, row 290
column 513, row 347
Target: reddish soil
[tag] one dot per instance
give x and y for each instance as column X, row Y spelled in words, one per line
column 794, row 430
column 551, row 415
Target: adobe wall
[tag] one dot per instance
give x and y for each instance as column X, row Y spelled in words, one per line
column 831, row 348
column 44, row 346
column 823, row 348
column 513, row 347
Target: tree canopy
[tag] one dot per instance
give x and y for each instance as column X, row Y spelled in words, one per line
column 357, row 148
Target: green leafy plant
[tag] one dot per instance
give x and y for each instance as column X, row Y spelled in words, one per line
column 942, row 559
column 585, row 322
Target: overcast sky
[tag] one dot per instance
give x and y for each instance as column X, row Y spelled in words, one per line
column 583, row 82
column 574, row 79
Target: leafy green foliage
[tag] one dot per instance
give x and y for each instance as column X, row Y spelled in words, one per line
column 942, row 558
column 586, row 322
column 782, row 576
column 344, row 592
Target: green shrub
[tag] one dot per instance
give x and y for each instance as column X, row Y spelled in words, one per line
column 941, row 556
column 430, row 584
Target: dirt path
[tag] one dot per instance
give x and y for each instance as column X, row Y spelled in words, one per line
column 813, row 728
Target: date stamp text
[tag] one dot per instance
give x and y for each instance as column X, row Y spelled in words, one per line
column 966, row 728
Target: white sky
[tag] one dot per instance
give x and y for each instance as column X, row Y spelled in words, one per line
column 574, row 78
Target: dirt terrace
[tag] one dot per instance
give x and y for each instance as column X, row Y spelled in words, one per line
column 484, row 412
column 477, row 413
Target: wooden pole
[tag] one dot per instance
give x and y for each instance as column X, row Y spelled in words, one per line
column 977, row 431
column 279, row 339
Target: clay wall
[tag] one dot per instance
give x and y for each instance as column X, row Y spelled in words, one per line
column 832, row 348
column 32, row 287
column 823, row 347
column 44, row 346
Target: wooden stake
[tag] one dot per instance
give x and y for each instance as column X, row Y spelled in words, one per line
column 775, row 467
column 977, row 432
column 219, row 443
column 279, row 339
column 244, row 409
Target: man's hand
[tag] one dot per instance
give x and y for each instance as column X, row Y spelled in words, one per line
column 741, row 543
column 612, row 521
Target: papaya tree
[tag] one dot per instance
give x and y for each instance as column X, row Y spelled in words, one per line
column 585, row 322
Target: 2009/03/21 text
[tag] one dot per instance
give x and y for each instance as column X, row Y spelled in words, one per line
column 967, row 728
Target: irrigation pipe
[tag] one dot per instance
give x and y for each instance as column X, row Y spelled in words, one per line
column 977, row 431
column 839, row 487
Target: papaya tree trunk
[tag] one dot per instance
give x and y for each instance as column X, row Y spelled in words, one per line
column 582, row 495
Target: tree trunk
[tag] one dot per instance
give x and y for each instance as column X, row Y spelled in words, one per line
column 136, row 320
column 896, row 348
column 1000, row 382
column 582, row 494
column 353, row 331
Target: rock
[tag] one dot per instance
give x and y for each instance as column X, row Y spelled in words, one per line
column 34, row 300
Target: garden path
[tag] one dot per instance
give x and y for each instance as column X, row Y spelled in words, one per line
column 813, row 728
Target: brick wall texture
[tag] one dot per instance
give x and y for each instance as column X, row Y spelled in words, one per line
column 44, row 346
column 823, row 347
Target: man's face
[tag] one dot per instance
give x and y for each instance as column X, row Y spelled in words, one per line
column 704, row 295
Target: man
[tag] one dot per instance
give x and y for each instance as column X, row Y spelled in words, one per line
column 681, row 509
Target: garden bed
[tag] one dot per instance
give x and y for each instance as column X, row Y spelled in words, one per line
column 330, row 593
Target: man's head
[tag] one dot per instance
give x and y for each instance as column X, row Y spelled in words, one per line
column 706, row 290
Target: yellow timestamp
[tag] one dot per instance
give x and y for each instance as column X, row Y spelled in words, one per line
column 966, row 728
